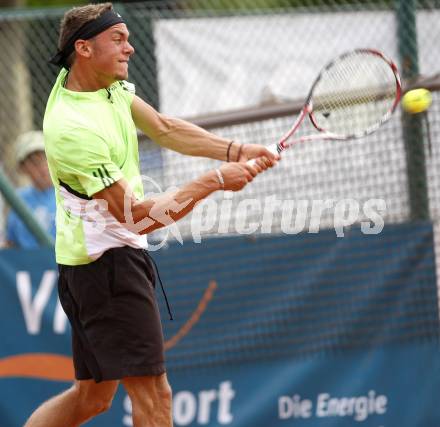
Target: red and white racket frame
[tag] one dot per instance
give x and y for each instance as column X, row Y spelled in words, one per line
column 307, row 110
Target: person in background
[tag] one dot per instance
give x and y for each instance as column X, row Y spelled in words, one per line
column 39, row 195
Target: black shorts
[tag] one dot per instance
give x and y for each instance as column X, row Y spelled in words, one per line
column 112, row 307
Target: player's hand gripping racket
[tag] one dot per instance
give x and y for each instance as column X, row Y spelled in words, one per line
column 352, row 97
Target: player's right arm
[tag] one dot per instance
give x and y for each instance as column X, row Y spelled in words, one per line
column 145, row 216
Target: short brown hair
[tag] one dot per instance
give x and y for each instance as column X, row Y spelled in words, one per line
column 75, row 18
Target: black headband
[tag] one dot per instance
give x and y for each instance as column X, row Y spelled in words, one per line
column 87, row 31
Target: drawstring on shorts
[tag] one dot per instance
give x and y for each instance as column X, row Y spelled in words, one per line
column 161, row 284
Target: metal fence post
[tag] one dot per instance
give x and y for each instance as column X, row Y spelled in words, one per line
column 412, row 123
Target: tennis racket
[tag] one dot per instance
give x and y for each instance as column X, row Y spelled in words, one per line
column 352, row 97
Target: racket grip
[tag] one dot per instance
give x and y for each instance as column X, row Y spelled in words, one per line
column 273, row 148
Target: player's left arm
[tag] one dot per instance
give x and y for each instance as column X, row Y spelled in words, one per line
column 187, row 138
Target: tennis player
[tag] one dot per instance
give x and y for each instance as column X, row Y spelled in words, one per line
column 106, row 278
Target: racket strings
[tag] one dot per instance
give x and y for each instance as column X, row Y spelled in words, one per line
column 354, row 95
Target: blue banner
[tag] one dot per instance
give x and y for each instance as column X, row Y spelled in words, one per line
column 306, row 330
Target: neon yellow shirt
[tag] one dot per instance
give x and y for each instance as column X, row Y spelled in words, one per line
column 91, row 142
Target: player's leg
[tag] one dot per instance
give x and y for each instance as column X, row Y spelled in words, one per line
column 117, row 332
column 84, row 400
column 151, row 400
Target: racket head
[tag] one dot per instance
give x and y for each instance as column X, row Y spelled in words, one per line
column 354, row 94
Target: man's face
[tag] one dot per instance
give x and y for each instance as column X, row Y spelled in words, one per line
column 111, row 52
column 35, row 167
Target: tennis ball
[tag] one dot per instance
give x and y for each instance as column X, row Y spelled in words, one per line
column 416, row 101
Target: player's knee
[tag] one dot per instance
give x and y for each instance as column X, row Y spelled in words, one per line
column 98, row 405
column 103, row 405
column 93, row 403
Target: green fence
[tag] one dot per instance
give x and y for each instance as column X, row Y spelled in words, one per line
column 199, row 58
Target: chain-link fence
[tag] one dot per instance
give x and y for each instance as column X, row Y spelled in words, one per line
column 241, row 68
column 207, row 57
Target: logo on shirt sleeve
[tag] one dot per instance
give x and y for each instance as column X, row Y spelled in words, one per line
column 104, row 175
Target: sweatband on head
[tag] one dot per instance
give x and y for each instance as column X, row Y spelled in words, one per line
column 85, row 32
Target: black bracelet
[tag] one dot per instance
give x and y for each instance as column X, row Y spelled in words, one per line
column 229, row 149
column 239, row 152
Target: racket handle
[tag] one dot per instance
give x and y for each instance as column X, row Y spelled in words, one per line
column 273, row 148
